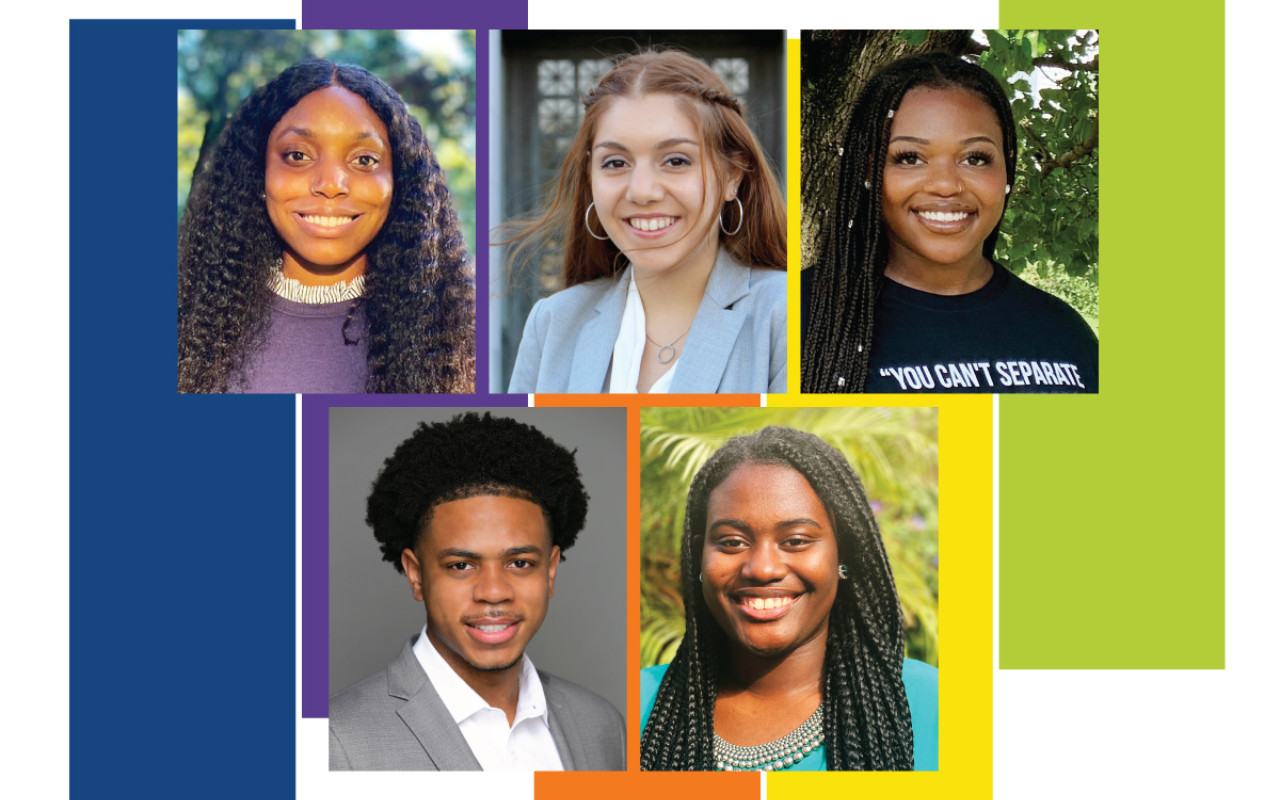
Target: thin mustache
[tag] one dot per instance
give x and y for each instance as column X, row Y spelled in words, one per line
column 493, row 615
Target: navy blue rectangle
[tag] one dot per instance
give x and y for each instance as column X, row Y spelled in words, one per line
column 182, row 507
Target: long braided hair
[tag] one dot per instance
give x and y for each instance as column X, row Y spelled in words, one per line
column 866, row 720
column 729, row 147
column 419, row 288
column 836, row 352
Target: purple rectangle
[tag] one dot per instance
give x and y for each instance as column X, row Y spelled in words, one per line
column 397, row 14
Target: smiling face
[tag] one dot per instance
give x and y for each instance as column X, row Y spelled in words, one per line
column 328, row 184
column 769, row 560
column 944, row 179
column 486, row 569
column 655, row 192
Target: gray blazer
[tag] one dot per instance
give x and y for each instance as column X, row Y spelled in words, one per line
column 738, row 342
column 394, row 720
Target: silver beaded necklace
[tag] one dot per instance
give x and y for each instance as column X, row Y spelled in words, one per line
column 778, row 754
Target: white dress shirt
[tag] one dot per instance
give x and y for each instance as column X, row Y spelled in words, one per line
column 525, row 745
column 628, row 350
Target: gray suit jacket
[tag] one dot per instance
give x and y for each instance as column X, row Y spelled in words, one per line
column 394, row 720
column 738, row 342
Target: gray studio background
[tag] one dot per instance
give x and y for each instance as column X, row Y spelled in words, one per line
column 371, row 609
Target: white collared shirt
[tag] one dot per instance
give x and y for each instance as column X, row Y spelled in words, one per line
column 628, row 350
column 527, row 744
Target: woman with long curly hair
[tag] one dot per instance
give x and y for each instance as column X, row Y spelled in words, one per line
column 909, row 297
column 793, row 650
column 674, row 237
column 319, row 250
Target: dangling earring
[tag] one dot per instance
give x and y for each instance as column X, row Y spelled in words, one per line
column 844, row 572
column 586, row 218
column 866, row 185
column 1007, row 189
column 741, row 216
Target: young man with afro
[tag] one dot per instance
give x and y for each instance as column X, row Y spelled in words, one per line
column 476, row 513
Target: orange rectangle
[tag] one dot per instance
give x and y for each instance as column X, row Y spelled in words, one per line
column 645, row 785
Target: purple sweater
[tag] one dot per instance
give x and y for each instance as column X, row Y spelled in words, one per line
column 305, row 353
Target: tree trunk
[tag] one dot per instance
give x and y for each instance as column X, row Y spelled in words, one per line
column 834, row 66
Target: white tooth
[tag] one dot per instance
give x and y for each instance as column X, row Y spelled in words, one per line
column 493, row 628
column 944, row 216
column 652, row 223
column 772, row 602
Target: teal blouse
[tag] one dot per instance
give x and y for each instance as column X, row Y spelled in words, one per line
column 918, row 678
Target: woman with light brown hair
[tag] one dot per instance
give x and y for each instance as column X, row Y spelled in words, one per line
column 674, row 239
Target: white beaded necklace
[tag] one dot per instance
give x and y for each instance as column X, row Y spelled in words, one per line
column 778, row 754
column 292, row 289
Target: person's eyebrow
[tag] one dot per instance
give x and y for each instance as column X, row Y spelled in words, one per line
column 729, row 522
column 675, row 140
column 458, row 552
column 523, row 550
column 788, row 523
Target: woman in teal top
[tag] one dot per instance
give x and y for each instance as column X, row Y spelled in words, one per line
column 792, row 656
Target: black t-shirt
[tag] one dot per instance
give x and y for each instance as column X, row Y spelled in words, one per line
column 1006, row 337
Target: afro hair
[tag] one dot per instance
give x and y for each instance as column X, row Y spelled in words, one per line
column 471, row 456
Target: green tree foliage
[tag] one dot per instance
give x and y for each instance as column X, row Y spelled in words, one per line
column 218, row 69
column 1052, row 217
column 893, row 450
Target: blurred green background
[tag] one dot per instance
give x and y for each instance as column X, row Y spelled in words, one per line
column 893, row 450
column 434, row 71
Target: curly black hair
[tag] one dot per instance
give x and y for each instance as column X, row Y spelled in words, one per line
column 836, row 352
column 419, row 286
column 471, row 456
column 866, row 720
